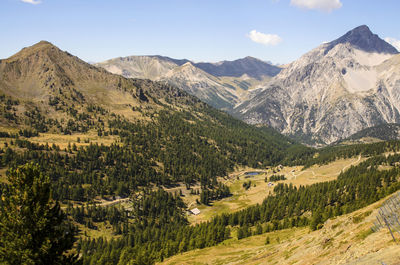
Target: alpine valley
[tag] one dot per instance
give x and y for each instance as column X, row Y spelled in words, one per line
column 149, row 159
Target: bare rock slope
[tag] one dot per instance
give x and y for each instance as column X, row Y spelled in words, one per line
column 333, row 91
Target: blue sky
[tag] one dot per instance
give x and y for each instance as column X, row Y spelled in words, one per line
column 201, row 30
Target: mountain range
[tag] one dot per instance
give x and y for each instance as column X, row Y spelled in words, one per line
column 329, row 93
column 45, row 89
column 222, row 85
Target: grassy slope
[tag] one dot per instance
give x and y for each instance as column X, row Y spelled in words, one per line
column 84, row 139
column 342, row 240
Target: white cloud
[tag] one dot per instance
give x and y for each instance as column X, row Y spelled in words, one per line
column 266, row 39
column 33, row 2
column 324, row 5
column 395, row 43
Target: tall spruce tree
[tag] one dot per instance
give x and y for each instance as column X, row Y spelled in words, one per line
column 33, row 228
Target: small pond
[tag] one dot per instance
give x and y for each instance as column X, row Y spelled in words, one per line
column 252, row 173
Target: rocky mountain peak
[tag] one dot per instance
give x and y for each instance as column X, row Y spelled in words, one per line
column 332, row 91
column 362, row 38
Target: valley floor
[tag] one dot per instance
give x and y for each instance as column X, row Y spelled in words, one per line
column 259, row 190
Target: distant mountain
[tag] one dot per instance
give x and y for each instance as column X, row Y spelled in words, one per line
column 249, row 66
column 145, row 67
column 206, row 87
column 332, row 92
column 222, row 85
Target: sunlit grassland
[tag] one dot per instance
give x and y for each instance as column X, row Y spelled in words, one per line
column 259, row 190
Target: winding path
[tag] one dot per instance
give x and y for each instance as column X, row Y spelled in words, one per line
column 104, row 203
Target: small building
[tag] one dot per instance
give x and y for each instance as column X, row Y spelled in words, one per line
column 195, row 211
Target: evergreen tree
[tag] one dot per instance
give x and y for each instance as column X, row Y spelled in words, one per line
column 33, row 229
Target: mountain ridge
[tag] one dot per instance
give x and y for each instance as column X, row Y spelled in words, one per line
column 328, row 94
column 222, row 92
column 251, row 66
column 60, row 87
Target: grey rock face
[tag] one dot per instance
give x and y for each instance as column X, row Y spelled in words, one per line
column 331, row 92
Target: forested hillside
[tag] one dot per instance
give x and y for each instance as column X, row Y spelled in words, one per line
column 385, row 132
column 163, row 135
column 331, row 153
column 172, row 147
column 156, row 235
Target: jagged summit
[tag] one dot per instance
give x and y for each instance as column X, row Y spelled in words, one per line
column 362, row 38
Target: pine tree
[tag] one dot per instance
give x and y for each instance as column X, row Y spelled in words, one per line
column 33, row 229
